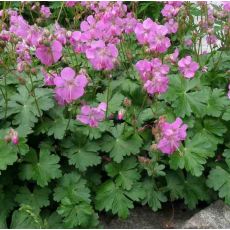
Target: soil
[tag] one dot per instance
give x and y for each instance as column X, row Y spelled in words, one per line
column 172, row 215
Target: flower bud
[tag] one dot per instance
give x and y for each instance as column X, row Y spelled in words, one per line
column 120, row 115
column 39, row 20
column 153, row 147
column 15, row 139
column 204, row 69
column 21, row 80
column 7, row 138
column 144, row 160
column 127, row 102
column 68, row 34
column 33, row 71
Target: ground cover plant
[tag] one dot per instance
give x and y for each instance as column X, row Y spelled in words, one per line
column 106, row 105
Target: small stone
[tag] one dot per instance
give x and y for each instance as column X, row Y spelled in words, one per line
column 217, row 215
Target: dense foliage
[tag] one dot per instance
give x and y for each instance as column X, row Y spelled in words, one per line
column 104, row 105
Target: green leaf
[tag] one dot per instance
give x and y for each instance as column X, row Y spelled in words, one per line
column 72, row 186
column 128, row 85
column 25, row 107
column 219, row 180
column 75, row 215
column 195, row 190
column 212, row 129
column 126, row 172
column 154, row 169
column 145, row 115
column 42, row 169
column 226, row 154
column 114, row 102
column 185, row 97
column 8, row 154
column 153, row 197
column 175, row 184
column 7, row 202
column 37, row 199
column 95, row 133
column 137, row 193
column 194, row 155
column 57, row 125
column 226, row 115
column 191, row 189
column 53, row 221
column 75, row 205
column 111, row 197
column 81, row 154
column 26, row 217
column 120, row 145
column 216, row 103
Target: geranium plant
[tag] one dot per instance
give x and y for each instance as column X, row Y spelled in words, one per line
column 104, row 105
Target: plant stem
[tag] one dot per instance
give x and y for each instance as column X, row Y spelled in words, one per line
column 107, row 99
column 67, row 126
column 59, row 14
column 6, row 96
column 35, row 98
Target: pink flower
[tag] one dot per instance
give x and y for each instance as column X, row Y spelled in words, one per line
column 158, row 41
column 70, row 3
column 92, row 115
column 171, row 136
column 174, row 56
column 158, row 84
column 69, row 87
column 169, row 11
column 76, row 41
column 188, row 42
column 101, row 56
column 129, row 23
column 175, row 3
column 172, row 26
column 60, row 34
column 45, row 11
column 49, row 55
column 144, row 68
column 226, row 6
column 48, row 77
column 211, row 39
column 153, row 74
column 19, row 26
column 188, row 67
column 143, row 30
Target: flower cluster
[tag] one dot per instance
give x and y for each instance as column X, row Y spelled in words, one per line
column 102, row 56
column 188, row 67
column 171, row 135
column 154, row 75
column 154, row 35
column 92, row 115
column 100, row 33
column 48, row 47
column 45, row 11
column 170, row 12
